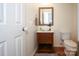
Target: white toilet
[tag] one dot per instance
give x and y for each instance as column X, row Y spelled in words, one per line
column 70, row 45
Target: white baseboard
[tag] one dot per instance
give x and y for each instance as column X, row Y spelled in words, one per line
column 34, row 52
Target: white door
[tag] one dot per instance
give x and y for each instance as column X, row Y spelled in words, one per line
column 3, row 48
column 19, row 30
column 3, row 35
column 18, row 43
column 11, row 34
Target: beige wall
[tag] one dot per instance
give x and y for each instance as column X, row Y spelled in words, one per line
column 74, row 23
column 65, row 16
column 78, row 27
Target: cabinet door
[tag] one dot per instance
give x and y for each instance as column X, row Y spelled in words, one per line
column 45, row 38
column 3, row 48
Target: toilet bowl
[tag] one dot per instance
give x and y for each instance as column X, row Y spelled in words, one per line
column 69, row 45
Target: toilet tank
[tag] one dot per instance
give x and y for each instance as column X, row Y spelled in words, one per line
column 66, row 36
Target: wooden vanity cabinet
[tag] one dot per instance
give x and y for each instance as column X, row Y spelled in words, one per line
column 45, row 38
column 45, row 41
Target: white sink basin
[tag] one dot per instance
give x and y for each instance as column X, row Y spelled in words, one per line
column 45, row 31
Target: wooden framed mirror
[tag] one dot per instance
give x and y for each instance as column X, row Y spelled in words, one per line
column 46, row 16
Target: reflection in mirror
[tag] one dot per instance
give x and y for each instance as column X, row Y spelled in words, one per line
column 45, row 16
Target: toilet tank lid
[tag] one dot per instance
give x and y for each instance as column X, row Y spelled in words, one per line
column 70, row 43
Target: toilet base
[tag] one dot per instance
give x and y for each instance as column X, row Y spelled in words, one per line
column 69, row 53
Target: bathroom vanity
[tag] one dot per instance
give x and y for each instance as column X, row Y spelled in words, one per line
column 45, row 41
column 45, row 34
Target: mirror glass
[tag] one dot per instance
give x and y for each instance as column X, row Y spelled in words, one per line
column 45, row 16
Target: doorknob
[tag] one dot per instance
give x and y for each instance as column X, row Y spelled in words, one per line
column 24, row 29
